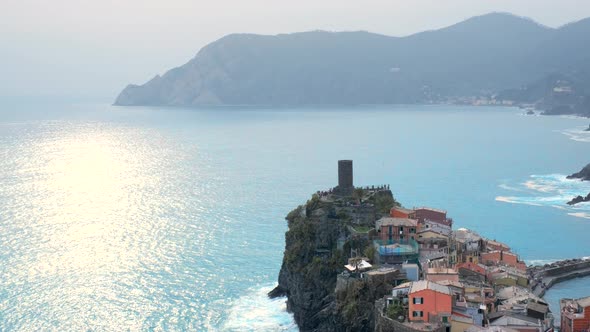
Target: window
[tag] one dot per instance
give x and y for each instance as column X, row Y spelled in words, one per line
column 445, row 319
column 412, row 230
column 417, row 314
column 390, row 229
column 418, row 300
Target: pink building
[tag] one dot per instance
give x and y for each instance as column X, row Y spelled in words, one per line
column 429, row 302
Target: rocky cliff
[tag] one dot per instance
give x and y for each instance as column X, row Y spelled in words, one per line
column 316, row 249
column 583, row 175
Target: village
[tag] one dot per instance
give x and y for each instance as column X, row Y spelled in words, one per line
column 441, row 278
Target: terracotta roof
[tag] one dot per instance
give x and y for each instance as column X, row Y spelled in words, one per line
column 386, row 221
column 421, row 285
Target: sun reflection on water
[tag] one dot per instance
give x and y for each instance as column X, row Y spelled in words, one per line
column 92, row 191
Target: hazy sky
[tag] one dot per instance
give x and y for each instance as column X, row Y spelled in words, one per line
column 95, row 48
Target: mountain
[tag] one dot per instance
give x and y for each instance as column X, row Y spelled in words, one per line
column 479, row 56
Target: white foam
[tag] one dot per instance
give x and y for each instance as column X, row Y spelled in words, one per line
column 580, row 215
column 579, row 135
column 507, row 187
column 552, row 190
column 516, row 200
column 254, row 311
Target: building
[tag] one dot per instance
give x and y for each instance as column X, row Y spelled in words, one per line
column 497, row 257
column 345, row 183
column 575, row 315
column 412, row 271
column 399, row 212
column 472, row 271
column 518, row 322
column 492, row 245
column 429, row 302
column 396, row 229
column 425, row 213
column 468, row 245
column 429, row 225
column 438, row 274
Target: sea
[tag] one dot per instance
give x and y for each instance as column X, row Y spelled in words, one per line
column 169, row 219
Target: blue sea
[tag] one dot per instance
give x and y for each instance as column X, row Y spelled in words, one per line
column 116, row 219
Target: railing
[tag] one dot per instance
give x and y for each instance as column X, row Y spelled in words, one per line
column 398, row 248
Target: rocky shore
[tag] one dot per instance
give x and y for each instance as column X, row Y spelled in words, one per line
column 583, row 175
column 579, row 199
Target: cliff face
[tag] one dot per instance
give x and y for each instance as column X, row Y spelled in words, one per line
column 318, row 297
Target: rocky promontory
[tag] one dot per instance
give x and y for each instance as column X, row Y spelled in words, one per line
column 583, row 175
column 356, row 68
column 321, row 234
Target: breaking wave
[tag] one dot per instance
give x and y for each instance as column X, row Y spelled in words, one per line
column 578, row 134
column 254, row 311
column 553, row 190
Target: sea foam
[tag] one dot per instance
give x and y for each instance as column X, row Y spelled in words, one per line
column 255, row 311
column 578, row 134
column 551, row 190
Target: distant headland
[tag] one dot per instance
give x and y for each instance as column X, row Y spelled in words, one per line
column 356, row 260
column 494, row 59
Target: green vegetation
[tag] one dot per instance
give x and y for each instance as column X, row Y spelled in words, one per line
column 370, row 252
column 384, row 203
column 358, row 195
column 342, row 215
column 293, row 214
column 395, row 311
column 362, row 229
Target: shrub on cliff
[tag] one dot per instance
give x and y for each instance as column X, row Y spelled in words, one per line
column 395, row 311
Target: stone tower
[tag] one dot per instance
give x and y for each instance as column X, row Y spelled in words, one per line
column 345, row 185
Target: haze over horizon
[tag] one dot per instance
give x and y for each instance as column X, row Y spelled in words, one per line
column 92, row 49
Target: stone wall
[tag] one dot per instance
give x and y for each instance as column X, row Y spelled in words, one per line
column 567, row 268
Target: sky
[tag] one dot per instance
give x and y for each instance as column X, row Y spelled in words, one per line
column 94, row 48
